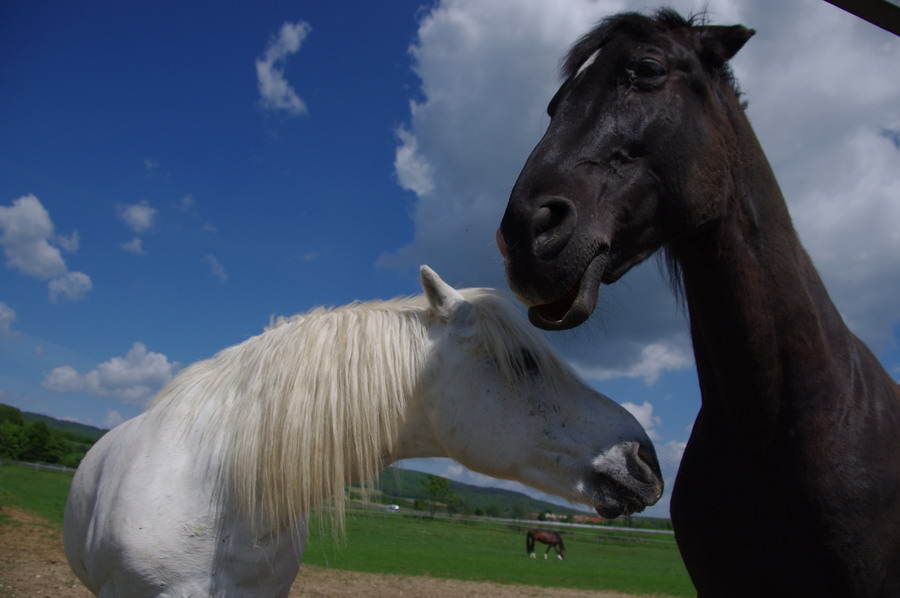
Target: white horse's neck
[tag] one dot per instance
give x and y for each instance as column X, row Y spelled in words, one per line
column 310, row 406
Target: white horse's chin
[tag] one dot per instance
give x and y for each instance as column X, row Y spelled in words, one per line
column 610, row 499
column 622, row 481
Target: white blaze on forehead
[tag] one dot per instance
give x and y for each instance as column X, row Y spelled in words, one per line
column 588, row 62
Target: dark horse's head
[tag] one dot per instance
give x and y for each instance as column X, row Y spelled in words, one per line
column 636, row 156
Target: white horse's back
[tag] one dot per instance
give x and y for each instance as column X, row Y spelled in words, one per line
column 142, row 519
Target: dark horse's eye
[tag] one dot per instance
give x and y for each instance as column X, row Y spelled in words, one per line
column 648, row 69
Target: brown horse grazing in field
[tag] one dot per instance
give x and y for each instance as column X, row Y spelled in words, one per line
column 551, row 539
column 790, row 483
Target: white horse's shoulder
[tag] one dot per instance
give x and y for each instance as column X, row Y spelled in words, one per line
column 139, row 503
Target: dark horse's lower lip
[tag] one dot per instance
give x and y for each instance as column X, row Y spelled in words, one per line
column 577, row 304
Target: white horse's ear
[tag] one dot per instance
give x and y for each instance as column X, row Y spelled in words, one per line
column 445, row 301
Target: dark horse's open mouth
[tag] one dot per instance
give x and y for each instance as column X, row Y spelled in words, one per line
column 575, row 306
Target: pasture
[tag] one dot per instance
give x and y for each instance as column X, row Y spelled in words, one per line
column 465, row 549
column 483, row 550
column 40, row 492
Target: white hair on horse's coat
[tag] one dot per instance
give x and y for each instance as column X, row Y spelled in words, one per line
column 315, row 402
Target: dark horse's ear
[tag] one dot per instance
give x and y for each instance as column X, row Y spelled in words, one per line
column 722, row 42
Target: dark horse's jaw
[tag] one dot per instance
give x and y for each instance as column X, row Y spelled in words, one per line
column 575, row 306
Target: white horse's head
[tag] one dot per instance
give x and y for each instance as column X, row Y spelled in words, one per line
column 497, row 398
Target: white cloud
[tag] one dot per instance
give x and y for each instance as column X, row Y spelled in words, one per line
column 644, row 414
column 487, row 71
column 669, row 454
column 819, row 100
column 69, row 286
column 68, row 243
column 848, row 217
column 139, row 217
column 215, row 267
column 413, row 171
column 64, row 379
column 31, row 247
column 187, row 204
column 829, row 144
column 27, row 235
column 135, row 246
column 655, row 358
column 7, row 317
column 131, row 379
column 274, row 90
column 113, row 419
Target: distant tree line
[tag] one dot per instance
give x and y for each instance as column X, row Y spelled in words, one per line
column 437, row 495
column 37, row 442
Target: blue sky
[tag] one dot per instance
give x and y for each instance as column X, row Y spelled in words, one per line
column 171, row 176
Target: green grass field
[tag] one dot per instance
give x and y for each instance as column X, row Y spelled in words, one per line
column 38, row 491
column 381, row 542
column 488, row 551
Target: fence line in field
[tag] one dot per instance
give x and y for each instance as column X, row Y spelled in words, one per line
column 588, row 526
column 38, row 466
column 607, row 532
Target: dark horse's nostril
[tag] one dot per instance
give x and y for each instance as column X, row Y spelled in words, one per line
column 552, row 224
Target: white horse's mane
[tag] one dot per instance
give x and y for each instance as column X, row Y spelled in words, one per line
column 302, row 408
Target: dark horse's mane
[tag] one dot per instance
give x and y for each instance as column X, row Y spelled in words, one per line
column 641, row 25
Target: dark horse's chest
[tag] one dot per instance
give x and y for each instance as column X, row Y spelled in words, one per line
column 792, row 519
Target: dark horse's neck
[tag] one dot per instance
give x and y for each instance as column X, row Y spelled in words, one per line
column 799, row 422
column 761, row 319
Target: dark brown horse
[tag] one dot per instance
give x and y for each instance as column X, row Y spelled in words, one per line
column 790, row 483
column 551, row 539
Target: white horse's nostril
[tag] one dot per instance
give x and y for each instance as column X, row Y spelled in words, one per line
column 650, row 473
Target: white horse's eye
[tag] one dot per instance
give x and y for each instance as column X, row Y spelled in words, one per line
column 527, row 363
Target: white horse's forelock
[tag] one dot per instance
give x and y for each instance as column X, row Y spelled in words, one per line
column 306, row 408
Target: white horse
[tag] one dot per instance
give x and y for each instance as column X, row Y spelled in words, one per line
column 206, row 493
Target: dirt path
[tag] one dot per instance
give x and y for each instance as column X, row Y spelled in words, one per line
column 33, row 565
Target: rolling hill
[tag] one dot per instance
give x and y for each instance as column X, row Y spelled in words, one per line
column 408, row 484
column 65, row 426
